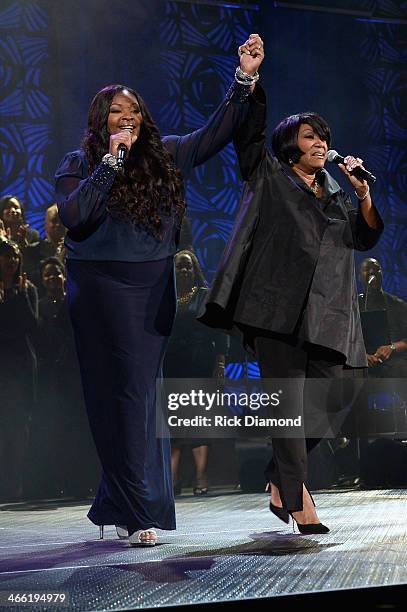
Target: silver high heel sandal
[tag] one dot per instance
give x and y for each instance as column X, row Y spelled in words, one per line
column 121, row 531
column 136, row 540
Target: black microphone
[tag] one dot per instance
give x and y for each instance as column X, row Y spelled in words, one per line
column 359, row 171
column 121, row 154
column 371, row 279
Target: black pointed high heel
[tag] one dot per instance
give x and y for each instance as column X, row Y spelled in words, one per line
column 280, row 513
column 101, row 530
column 310, row 528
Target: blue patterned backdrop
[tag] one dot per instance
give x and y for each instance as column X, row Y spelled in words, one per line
column 25, row 107
column 386, row 127
column 198, row 55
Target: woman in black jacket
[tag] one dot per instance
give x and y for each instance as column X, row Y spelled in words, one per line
column 287, row 278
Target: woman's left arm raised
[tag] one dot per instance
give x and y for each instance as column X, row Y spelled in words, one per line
column 197, row 147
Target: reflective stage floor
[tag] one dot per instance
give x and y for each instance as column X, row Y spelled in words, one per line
column 227, row 547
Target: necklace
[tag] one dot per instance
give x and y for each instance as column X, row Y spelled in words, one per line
column 186, row 297
column 314, row 186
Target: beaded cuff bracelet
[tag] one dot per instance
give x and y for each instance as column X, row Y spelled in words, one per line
column 103, row 177
column 238, row 92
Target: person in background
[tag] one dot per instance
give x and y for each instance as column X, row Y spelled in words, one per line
column 18, row 323
column 54, row 230
column 387, row 360
column 53, row 312
column 51, row 246
column 13, row 216
column 390, row 360
column 59, row 429
column 193, row 352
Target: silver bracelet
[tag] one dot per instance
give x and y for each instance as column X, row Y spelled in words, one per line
column 243, row 78
column 364, row 196
column 110, row 160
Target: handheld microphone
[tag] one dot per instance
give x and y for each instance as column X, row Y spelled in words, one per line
column 121, row 154
column 369, row 282
column 359, row 171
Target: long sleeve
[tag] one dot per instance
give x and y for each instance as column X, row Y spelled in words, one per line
column 364, row 236
column 197, row 147
column 81, row 198
column 250, row 139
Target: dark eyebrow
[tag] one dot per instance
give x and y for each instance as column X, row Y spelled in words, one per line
column 134, row 105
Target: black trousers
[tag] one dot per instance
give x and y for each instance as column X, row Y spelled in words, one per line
column 286, row 356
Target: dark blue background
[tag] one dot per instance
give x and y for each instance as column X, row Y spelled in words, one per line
column 181, row 56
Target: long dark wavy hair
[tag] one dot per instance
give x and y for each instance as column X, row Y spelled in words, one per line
column 151, row 187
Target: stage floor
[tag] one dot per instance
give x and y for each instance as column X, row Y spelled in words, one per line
column 227, row 547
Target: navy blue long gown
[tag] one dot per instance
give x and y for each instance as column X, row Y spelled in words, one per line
column 121, row 293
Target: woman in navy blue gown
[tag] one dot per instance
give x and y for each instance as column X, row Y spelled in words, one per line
column 123, row 228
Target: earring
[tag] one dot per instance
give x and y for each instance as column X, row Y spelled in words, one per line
column 290, row 161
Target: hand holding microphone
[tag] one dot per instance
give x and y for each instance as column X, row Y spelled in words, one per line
column 120, row 145
column 353, row 165
column 354, row 170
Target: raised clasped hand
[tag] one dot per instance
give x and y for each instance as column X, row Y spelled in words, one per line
column 251, row 54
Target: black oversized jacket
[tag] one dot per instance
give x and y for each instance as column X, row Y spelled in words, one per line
column 288, row 266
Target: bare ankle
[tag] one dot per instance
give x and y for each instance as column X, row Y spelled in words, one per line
column 275, row 496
